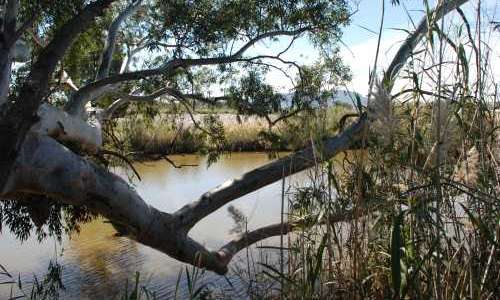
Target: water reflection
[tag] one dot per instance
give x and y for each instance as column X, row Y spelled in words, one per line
column 96, row 264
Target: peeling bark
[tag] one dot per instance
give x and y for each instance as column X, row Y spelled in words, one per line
column 17, row 118
column 67, row 128
column 5, row 74
column 73, row 180
column 34, row 163
column 73, row 106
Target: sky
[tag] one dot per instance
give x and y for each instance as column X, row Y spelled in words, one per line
column 360, row 53
column 359, row 41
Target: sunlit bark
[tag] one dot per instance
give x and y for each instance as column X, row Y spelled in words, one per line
column 33, row 162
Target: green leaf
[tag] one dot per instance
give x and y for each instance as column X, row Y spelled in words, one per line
column 319, row 259
column 278, row 275
column 465, row 64
column 177, row 283
column 396, row 244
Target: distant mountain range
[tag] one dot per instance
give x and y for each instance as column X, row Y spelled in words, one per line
column 347, row 97
column 340, row 97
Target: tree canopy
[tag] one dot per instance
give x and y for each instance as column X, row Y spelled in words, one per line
column 84, row 60
column 60, row 56
column 187, row 45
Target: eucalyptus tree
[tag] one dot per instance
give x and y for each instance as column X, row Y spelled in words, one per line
column 108, row 53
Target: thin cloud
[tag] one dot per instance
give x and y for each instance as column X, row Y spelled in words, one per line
column 361, row 58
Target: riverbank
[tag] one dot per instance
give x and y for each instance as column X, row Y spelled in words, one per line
column 108, row 263
column 166, row 134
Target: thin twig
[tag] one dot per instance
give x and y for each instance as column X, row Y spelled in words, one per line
column 177, row 166
column 122, row 157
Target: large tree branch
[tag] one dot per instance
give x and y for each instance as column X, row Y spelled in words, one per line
column 209, row 202
column 6, row 47
column 246, row 239
column 89, row 92
column 17, row 118
column 110, row 44
column 270, row 34
column 73, row 180
column 67, row 128
column 126, row 98
column 406, row 49
column 108, row 113
column 106, row 59
column 70, row 179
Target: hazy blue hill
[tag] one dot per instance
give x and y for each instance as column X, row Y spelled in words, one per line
column 343, row 96
column 340, row 97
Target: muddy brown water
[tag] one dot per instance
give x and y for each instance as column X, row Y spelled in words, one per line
column 97, row 265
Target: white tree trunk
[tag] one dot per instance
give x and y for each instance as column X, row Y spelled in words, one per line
column 68, row 128
column 45, row 167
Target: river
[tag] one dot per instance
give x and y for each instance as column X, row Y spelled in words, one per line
column 96, row 264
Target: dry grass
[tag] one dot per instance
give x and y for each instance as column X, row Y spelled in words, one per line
column 169, row 134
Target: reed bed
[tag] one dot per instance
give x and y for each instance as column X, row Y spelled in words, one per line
column 150, row 137
column 413, row 214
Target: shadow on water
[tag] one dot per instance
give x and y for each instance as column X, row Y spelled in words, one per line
column 97, row 264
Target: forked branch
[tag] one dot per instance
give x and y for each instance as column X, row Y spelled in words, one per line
column 110, row 44
column 74, row 180
column 95, row 89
